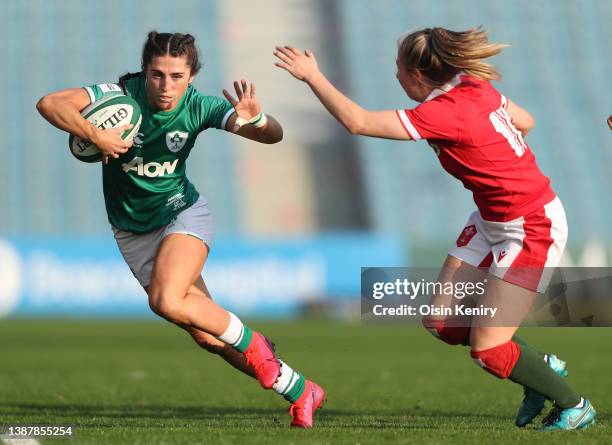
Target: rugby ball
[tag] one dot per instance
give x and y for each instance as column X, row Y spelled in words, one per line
column 106, row 113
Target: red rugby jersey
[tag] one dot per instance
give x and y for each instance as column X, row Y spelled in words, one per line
column 467, row 124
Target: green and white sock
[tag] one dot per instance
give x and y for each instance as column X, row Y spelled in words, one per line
column 237, row 334
column 290, row 384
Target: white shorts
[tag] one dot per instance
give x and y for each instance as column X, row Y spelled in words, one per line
column 139, row 250
column 523, row 251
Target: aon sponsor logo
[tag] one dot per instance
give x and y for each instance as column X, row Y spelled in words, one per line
column 150, row 169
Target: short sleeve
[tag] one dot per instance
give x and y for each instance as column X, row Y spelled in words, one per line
column 102, row 91
column 213, row 112
column 434, row 119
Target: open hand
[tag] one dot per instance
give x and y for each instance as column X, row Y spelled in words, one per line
column 246, row 105
column 301, row 65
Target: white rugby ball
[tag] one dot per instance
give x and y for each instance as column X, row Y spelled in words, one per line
column 110, row 112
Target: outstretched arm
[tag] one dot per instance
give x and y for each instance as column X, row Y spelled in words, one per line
column 357, row 120
column 248, row 121
column 62, row 109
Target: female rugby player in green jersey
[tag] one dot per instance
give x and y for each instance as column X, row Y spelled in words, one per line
column 161, row 224
column 519, row 227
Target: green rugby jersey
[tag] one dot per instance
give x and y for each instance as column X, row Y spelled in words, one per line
column 145, row 188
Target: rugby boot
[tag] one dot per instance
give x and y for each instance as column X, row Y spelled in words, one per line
column 261, row 359
column 570, row 418
column 304, row 408
column 533, row 403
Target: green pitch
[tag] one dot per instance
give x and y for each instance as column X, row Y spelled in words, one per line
column 148, row 383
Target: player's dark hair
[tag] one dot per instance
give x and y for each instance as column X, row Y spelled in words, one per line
column 123, row 80
column 439, row 54
column 175, row 45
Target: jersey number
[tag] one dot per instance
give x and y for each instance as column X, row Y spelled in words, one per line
column 503, row 124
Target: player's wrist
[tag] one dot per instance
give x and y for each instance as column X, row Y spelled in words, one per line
column 92, row 133
column 260, row 120
column 313, row 77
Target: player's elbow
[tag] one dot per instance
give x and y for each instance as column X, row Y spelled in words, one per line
column 44, row 105
column 354, row 127
column 272, row 132
column 355, row 123
column 527, row 126
column 273, row 138
column 525, row 123
column 530, row 123
column 278, row 136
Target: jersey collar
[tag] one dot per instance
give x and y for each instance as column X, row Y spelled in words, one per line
column 446, row 87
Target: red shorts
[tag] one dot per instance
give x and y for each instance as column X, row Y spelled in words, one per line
column 516, row 251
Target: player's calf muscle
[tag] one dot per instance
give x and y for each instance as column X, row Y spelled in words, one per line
column 207, row 341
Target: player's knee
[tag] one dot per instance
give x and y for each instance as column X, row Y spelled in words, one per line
column 498, row 360
column 453, row 335
column 166, row 307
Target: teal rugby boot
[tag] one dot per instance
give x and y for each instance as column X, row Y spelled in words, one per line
column 570, row 418
column 533, row 403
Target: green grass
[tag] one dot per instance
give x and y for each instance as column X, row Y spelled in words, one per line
column 148, row 383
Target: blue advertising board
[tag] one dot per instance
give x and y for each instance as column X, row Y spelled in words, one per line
column 86, row 277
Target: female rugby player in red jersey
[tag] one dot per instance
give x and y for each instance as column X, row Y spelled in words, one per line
column 519, row 226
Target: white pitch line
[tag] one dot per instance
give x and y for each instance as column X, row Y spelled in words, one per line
column 19, row 441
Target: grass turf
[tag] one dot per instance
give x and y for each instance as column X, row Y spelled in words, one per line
column 148, row 383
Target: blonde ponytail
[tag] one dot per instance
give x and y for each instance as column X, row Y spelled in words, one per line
column 440, row 54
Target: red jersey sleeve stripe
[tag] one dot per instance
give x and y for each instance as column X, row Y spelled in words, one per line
column 405, row 121
column 504, row 102
column 504, row 119
column 509, row 122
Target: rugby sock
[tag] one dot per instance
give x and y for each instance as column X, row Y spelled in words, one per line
column 515, row 339
column 290, row 384
column 533, row 372
column 237, row 334
column 523, row 344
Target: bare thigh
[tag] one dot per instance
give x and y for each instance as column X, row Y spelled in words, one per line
column 455, row 271
column 176, row 271
column 178, row 264
column 513, row 304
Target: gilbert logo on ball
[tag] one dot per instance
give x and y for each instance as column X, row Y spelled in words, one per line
column 107, row 113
